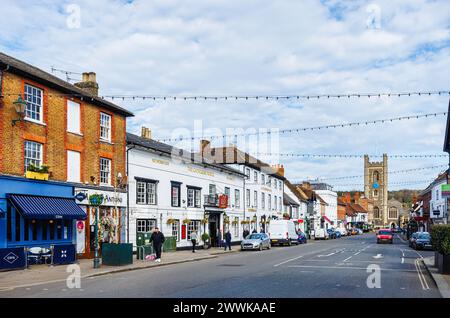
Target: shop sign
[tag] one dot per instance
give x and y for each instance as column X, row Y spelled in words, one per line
column 63, row 254
column 223, row 201
column 445, row 189
column 109, row 197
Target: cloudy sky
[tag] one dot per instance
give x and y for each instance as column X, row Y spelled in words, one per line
column 225, row 47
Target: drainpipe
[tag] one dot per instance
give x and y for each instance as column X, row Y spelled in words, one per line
column 128, row 194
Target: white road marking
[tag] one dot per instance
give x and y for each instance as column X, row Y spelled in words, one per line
column 289, row 260
column 350, row 267
column 422, row 279
column 378, row 256
column 348, row 258
column 326, row 255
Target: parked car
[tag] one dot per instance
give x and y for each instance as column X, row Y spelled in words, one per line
column 256, row 241
column 385, row 235
column 338, row 234
column 342, row 230
column 413, row 238
column 283, row 232
column 331, row 233
column 422, row 241
column 321, row 234
column 359, row 231
column 353, row 231
column 302, row 237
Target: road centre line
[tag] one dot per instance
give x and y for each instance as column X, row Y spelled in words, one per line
column 293, row 259
column 350, row 267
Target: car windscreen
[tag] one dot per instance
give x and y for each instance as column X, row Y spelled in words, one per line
column 255, row 237
column 385, row 233
column 424, row 236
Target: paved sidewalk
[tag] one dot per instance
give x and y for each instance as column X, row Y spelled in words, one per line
column 40, row 274
column 442, row 281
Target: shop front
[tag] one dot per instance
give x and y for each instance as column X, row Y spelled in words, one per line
column 37, row 214
column 111, row 218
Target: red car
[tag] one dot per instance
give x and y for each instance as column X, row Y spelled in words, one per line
column 385, row 236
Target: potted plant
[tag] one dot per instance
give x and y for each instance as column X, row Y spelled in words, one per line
column 440, row 238
column 204, row 221
column 186, row 221
column 170, row 221
column 206, row 240
column 37, row 172
column 286, row 216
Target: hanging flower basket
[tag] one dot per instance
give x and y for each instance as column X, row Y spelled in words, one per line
column 204, row 221
column 170, row 221
column 226, row 221
column 186, row 221
column 245, row 222
column 286, row 216
column 234, row 222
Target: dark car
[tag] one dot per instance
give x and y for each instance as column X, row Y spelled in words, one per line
column 422, row 241
column 385, row 235
column 302, row 237
column 332, row 233
column 413, row 238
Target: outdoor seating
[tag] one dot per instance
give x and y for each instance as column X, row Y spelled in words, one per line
column 39, row 255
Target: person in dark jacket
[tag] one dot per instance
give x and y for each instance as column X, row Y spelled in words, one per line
column 245, row 233
column 254, row 231
column 228, row 240
column 157, row 239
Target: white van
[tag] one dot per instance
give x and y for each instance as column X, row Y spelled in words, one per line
column 283, row 232
column 321, row 234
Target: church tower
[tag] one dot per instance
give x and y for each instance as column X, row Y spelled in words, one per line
column 376, row 188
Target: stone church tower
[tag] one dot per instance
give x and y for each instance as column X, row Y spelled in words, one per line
column 376, row 188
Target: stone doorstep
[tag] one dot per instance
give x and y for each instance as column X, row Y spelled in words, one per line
column 105, row 270
column 442, row 281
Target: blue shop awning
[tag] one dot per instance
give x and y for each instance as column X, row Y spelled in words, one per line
column 41, row 207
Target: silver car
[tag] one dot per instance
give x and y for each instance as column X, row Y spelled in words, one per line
column 256, row 241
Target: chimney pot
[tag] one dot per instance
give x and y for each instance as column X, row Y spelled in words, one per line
column 88, row 83
column 146, row 133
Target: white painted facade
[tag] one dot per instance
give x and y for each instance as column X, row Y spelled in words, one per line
column 437, row 202
column 330, row 197
column 263, row 196
column 147, row 167
column 298, row 213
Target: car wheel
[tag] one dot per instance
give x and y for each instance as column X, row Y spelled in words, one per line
column 392, row 242
column 289, row 243
column 260, row 247
column 378, row 241
column 269, row 246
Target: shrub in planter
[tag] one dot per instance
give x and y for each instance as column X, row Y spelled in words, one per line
column 440, row 239
column 205, row 239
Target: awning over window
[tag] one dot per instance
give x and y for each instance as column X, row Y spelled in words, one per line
column 40, row 207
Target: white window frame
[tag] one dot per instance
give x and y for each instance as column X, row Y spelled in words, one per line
column 255, row 198
column 263, row 200
column 34, row 156
column 70, row 168
column 105, row 127
column 176, row 229
column 247, row 197
column 228, row 194
column 237, row 198
column 102, row 171
column 35, row 103
column 193, row 225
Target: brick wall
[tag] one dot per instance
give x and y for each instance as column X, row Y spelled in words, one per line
column 55, row 137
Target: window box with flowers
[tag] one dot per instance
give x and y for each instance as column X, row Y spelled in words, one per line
column 37, row 172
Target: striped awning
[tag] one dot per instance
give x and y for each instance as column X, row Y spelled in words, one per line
column 42, row 207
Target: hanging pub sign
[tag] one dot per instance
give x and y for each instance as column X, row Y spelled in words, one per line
column 445, row 189
column 223, row 201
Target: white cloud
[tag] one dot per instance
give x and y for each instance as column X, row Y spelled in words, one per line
column 257, row 47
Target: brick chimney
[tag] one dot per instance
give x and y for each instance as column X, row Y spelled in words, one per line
column 146, row 133
column 348, row 198
column 205, row 145
column 279, row 169
column 306, row 185
column 89, row 83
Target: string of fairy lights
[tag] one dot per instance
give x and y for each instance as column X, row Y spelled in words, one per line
column 398, row 183
column 245, row 97
column 304, row 129
column 389, row 172
column 351, row 156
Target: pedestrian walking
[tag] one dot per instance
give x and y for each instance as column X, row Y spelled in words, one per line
column 228, row 240
column 157, row 239
column 194, row 239
column 245, row 233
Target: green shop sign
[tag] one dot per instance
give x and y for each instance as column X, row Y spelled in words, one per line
column 445, row 189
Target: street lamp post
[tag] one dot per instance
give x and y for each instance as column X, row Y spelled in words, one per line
column 96, row 200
